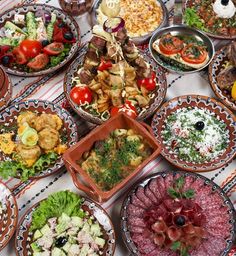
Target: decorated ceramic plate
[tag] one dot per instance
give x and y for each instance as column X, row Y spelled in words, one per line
column 5, row 89
column 33, row 135
column 37, row 39
column 73, row 224
column 177, row 213
column 197, row 133
column 8, row 215
column 222, row 76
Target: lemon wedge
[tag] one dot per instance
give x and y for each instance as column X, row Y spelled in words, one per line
column 233, row 91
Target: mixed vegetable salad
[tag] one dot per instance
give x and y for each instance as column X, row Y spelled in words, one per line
column 34, row 41
column 60, row 227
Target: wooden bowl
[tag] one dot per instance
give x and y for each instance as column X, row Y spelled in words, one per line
column 82, row 179
column 197, row 101
column 24, row 236
column 5, row 89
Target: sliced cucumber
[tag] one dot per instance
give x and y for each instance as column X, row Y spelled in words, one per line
column 13, row 27
column 30, row 137
column 31, row 25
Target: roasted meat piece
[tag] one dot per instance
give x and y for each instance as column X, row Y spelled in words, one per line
column 226, row 78
column 98, row 42
column 121, row 36
column 85, row 76
column 232, row 53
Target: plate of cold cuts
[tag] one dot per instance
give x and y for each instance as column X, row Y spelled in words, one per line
column 177, row 214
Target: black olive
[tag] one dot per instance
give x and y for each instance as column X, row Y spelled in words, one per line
column 179, row 220
column 61, row 25
column 61, row 241
column 5, row 60
column 224, row 2
column 45, row 43
column 68, row 36
column 199, row 125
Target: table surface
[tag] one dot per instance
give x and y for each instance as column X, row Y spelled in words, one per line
column 51, row 88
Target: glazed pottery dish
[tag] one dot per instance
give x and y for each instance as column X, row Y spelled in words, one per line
column 222, row 75
column 8, row 215
column 181, row 49
column 110, row 156
column 65, row 224
column 197, row 133
column 147, row 16
column 178, row 213
column 216, row 18
column 111, row 75
column 37, row 39
column 5, row 89
column 33, row 136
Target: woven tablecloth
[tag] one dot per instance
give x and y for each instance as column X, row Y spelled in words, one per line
column 51, row 88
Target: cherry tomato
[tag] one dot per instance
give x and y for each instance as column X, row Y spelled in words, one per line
column 39, row 62
column 128, row 108
column 194, row 54
column 81, row 95
column 19, row 55
column 62, row 33
column 170, row 44
column 30, row 48
column 104, row 65
column 53, row 48
column 4, row 49
column 148, row 83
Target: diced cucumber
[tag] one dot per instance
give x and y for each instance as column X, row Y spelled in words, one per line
column 84, row 250
column 64, row 218
column 95, row 230
column 45, row 229
column 66, row 247
column 57, row 252
column 13, row 27
column 31, row 25
column 99, row 241
column 37, row 235
column 8, row 41
column 50, row 27
column 77, row 221
column 35, row 247
column 86, row 227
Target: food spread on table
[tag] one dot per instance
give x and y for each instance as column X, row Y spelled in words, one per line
column 34, row 41
column 182, row 51
column 60, row 226
column 226, row 78
column 114, row 76
column 146, row 15
column 195, row 135
column 34, row 143
column 1, row 210
column 178, row 215
column 113, row 159
column 217, row 17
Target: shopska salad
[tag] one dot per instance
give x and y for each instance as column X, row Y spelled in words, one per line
column 34, row 41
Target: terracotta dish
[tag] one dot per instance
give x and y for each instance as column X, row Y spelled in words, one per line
column 74, row 154
column 5, row 89
column 195, row 103
column 169, row 213
column 8, row 215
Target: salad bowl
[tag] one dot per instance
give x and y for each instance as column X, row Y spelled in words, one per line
column 5, row 89
column 172, row 132
column 32, row 53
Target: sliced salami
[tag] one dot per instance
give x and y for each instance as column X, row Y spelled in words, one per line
column 169, row 181
column 214, row 245
column 197, row 185
column 135, row 210
column 142, row 197
column 150, row 195
column 188, row 182
column 161, row 252
column 218, row 231
column 146, row 246
column 137, row 221
column 200, row 251
column 135, row 229
column 137, row 202
column 154, row 188
column 161, row 186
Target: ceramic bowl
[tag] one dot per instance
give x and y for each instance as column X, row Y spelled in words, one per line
column 82, row 179
column 155, row 102
column 142, row 39
column 24, row 236
column 8, row 215
column 23, row 9
column 8, row 117
column 5, row 89
column 202, row 186
column 214, row 69
column 197, row 101
column 183, row 31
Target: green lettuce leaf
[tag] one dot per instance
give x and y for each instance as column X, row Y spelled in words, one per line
column 193, row 20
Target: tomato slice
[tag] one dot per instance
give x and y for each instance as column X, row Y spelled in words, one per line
column 19, row 55
column 81, row 95
column 148, row 83
column 104, row 65
column 170, row 44
column 39, row 62
column 128, row 108
column 53, row 48
column 194, row 54
column 30, row 48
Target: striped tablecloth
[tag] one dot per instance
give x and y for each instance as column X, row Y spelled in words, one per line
column 51, row 88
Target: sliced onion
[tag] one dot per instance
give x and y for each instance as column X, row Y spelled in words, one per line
column 46, row 16
column 113, row 25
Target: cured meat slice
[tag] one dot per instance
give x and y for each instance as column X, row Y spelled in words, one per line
column 135, row 210
column 161, row 186
column 150, row 195
column 200, row 251
column 145, row 245
column 141, row 196
column 137, row 202
column 212, row 201
column 188, row 182
column 161, row 252
column 135, row 229
column 218, row 230
column 223, row 210
column 154, row 188
column 214, row 245
column 137, row 221
column 197, row 185
column 169, row 181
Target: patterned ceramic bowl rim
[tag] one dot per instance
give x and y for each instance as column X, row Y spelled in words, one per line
column 186, row 4
column 210, row 104
column 184, row 29
column 8, row 227
column 7, row 88
column 63, row 114
column 24, row 224
column 68, row 20
column 160, row 93
column 144, row 181
column 213, row 68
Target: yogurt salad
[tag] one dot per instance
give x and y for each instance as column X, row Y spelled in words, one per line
column 195, row 135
